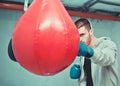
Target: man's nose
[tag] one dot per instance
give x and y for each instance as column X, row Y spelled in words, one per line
column 81, row 39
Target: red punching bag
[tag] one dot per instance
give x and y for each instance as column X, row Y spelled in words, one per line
column 45, row 40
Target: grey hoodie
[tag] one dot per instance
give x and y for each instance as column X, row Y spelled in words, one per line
column 104, row 64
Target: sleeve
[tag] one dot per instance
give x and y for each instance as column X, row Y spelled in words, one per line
column 105, row 53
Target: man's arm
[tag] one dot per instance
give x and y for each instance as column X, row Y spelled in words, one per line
column 105, row 54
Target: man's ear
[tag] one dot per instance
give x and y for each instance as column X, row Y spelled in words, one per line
column 91, row 31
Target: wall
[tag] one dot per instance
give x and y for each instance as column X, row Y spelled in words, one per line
column 12, row 74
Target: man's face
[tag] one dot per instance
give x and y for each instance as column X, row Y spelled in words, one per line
column 85, row 35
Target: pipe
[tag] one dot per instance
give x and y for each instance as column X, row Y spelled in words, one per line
column 105, row 11
column 109, row 3
column 72, row 13
column 93, row 15
column 11, row 6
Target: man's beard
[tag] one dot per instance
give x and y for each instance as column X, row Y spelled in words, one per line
column 89, row 40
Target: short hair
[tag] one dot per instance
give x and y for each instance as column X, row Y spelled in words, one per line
column 83, row 22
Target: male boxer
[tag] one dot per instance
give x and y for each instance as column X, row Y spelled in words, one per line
column 97, row 58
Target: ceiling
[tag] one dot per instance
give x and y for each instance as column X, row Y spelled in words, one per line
column 106, row 9
column 110, row 7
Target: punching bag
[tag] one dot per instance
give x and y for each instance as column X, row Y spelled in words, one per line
column 45, row 40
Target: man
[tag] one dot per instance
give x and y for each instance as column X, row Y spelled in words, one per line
column 97, row 58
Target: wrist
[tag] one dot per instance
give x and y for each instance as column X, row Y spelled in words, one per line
column 90, row 53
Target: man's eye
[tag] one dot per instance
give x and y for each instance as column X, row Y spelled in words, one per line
column 81, row 34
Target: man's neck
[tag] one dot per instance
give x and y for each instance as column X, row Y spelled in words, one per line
column 93, row 41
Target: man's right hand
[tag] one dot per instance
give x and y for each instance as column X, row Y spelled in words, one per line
column 84, row 50
column 10, row 51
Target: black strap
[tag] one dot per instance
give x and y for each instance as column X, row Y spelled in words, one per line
column 87, row 69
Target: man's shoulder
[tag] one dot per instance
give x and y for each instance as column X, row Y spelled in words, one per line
column 104, row 38
column 106, row 41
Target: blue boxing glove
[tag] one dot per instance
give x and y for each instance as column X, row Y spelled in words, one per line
column 10, row 52
column 84, row 50
column 75, row 71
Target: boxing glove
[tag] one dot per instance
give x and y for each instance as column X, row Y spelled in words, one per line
column 75, row 71
column 84, row 50
column 10, row 52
